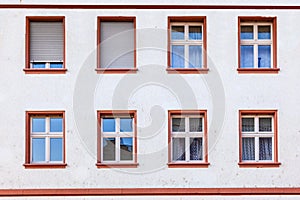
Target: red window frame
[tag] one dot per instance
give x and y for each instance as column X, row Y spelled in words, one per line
column 274, row 68
column 187, row 19
column 116, row 113
column 254, row 164
column 28, row 69
column 202, row 164
column 101, row 70
column 28, row 163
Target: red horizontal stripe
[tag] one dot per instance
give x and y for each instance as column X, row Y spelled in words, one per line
column 61, row 6
column 149, row 191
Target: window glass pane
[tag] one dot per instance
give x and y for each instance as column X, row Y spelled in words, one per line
column 126, row 125
column 56, row 124
column 246, row 32
column 195, row 56
column 196, row 149
column 265, row 124
column 109, row 125
column 38, row 125
column 38, row 65
column 264, row 32
column 109, row 149
column 247, row 124
column 177, row 56
column 177, row 33
column 265, row 148
column 56, row 149
column 38, row 149
column 178, row 149
column 195, row 124
column 178, row 124
column 56, row 65
column 195, row 32
column 248, row 146
column 126, row 148
column 264, row 56
column 247, row 57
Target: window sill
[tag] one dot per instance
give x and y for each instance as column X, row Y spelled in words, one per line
column 259, row 164
column 43, row 166
column 44, row 71
column 258, row 71
column 115, row 71
column 187, row 71
column 188, row 165
column 117, row 165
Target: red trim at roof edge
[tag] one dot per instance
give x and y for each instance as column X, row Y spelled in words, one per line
column 62, row 6
column 149, row 191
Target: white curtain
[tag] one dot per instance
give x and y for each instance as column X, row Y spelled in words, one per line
column 195, row 56
column 248, row 146
column 196, row 150
column 178, row 149
column 265, row 148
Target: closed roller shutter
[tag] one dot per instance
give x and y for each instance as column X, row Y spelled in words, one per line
column 46, row 41
column 117, row 45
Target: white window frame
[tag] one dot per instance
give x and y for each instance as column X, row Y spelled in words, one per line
column 256, row 134
column 186, row 42
column 255, row 42
column 47, row 64
column 47, row 135
column 118, row 135
column 187, row 135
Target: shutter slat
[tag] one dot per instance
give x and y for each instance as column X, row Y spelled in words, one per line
column 46, row 41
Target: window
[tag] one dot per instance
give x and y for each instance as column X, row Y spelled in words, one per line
column 257, row 45
column 258, row 138
column 116, row 45
column 188, row 139
column 187, row 45
column 117, row 142
column 45, row 139
column 45, row 45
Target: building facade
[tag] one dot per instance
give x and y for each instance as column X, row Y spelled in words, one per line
column 143, row 100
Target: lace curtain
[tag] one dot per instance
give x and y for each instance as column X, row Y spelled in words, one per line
column 196, row 150
column 265, row 149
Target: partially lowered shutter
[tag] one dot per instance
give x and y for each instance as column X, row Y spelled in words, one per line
column 46, row 41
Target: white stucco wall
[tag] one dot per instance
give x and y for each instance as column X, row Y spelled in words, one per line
column 81, row 92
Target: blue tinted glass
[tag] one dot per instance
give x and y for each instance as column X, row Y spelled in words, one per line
column 38, row 65
column 109, row 125
column 38, row 125
column 177, row 33
column 56, row 65
column 56, row 149
column 126, row 148
column 264, row 56
column 38, row 149
column 264, row 32
column 195, row 32
column 177, row 56
column 126, row 125
column 56, row 125
column 195, row 56
column 246, row 32
column 247, row 57
column 109, row 149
